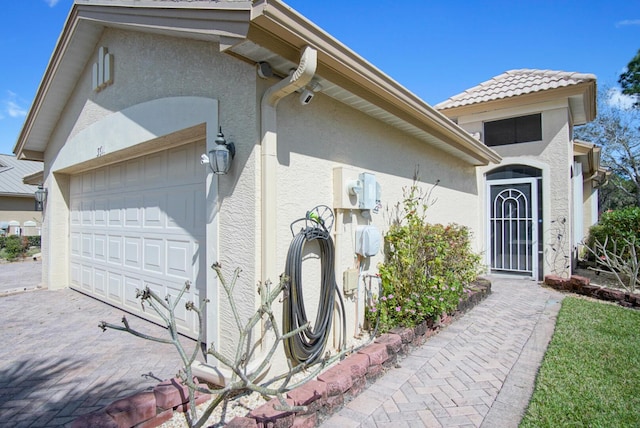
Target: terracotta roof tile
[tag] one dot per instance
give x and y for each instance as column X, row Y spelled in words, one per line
column 513, row 83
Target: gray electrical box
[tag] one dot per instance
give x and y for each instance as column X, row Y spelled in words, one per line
column 368, row 240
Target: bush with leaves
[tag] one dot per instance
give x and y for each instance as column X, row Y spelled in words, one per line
column 426, row 267
column 33, row 241
column 13, row 247
column 616, row 227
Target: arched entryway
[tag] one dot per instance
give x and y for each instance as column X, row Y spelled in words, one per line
column 514, row 218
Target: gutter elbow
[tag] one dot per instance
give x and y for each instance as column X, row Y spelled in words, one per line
column 299, row 78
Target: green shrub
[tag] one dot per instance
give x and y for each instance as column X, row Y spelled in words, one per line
column 33, row 241
column 14, row 246
column 616, row 226
column 426, row 267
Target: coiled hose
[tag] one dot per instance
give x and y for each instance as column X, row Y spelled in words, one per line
column 306, row 347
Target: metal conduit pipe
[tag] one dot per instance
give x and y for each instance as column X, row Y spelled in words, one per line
column 269, row 157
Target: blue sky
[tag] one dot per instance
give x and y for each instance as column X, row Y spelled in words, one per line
column 434, row 48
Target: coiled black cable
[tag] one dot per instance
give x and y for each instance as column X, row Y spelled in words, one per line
column 307, row 346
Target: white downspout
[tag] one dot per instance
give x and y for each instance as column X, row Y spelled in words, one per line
column 296, row 80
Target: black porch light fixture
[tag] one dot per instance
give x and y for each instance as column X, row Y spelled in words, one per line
column 221, row 155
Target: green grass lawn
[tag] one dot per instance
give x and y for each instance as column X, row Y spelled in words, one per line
column 590, row 375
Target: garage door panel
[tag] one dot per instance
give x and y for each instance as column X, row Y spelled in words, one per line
column 116, row 206
column 75, row 274
column 87, row 213
column 179, row 259
column 115, row 177
column 132, row 211
column 154, row 255
column 100, row 212
column 76, row 248
column 75, row 213
column 200, row 209
column 116, row 294
column 75, row 187
column 154, row 168
column 87, row 182
column 199, row 272
column 100, row 282
column 100, row 247
column 179, row 163
column 87, row 245
column 115, row 250
column 180, row 211
column 137, row 223
column 132, row 252
column 154, row 208
column 87, row 278
column 100, row 180
column 132, row 172
column 131, row 284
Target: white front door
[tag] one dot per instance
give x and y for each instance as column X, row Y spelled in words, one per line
column 513, row 226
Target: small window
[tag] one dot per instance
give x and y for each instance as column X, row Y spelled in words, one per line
column 520, row 129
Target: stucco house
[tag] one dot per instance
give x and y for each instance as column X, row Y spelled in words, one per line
column 543, row 195
column 19, row 212
column 137, row 96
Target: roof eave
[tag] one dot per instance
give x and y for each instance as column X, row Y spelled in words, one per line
column 17, row 195
column 283, row 31
column 287, row 33
column 35, row 179
column 88, row 16
column 587, row 90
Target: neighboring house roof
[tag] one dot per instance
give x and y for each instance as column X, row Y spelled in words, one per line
column 255, row 31
column 579, row 87
column 12, row 172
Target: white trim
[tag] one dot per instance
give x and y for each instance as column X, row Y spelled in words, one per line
column 578, row 205
column 546, row 192
column 533, row 181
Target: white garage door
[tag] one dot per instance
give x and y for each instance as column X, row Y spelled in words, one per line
column 141, row 223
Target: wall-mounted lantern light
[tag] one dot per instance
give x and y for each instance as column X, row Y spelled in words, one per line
column 41, row 196
column 220, row 157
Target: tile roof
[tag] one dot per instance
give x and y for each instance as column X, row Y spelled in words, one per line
column 513, row 83
column 11, row 172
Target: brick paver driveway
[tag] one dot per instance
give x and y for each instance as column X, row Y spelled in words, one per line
column 56, row 364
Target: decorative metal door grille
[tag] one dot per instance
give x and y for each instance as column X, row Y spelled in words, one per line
column 512, row 223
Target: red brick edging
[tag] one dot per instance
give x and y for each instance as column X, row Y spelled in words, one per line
column 581, row 285
column 323, row 396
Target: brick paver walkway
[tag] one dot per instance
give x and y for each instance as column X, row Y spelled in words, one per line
column 479, row 371
column 56, row 364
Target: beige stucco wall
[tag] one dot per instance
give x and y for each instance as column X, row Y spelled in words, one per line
column 150, row 68
column 553, row 156
column 312, row 141
column 315, row 139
